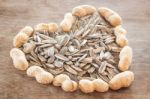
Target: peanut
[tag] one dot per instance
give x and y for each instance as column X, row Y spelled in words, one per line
column 44, row 77
column 123, row 79
column 34, row 70
column 19, row 59
column 41, row 76
column 53, row 27
column 67, row 22
column 120, row 30
column 42, row 27
column 120, row 33
column 125, row 58
column 22, row 36
column 69, row 85
column 27, row 30
column 86, row 86
column 112, row 17
column 100, row 85
column 83, row 10
column 28, row 47
column 65, row 82
column 20, row 39
column 121, row 40
column 59, row 79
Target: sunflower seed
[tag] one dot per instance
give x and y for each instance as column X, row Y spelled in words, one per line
column 77, row 43
column 50, row 65
column 94, row 36
column 104, row 73
column 51, row 51
column 107, row 55
column 85, row 33
column 71, row 49
column 51, row 41
column 63, row 50
column 41, row 58
column 70, row 70
column 102, row 67
column 45, row 45
column 84, row 50
column 81, row 65
column 95, row 65
column 91, row 70
column 43, row 36
column 69, row 63
column 79, row 32
column 110, row 76
column 89, row 78
column 61, row 57
column 111, row 61
column 75, row 59
column 87, row 51
column 97, row 50
column 86, row 67
column 102, row 55
column 115, row 49
column 87, row 60
column 76, row 68
column 58, row 63
column 97, row 61
column 51, row 59
column 109, row 65
column 65, row 40
column 111, row 71
column 80, row 59
column 81, row 73
column 83, row 42
column 33, row 63
column 109, row 41
column 56, row 71
column 103, row 77
column 116, row 71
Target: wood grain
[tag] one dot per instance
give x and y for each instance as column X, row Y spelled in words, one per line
column 15, row 14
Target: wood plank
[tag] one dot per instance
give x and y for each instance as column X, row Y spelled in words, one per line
column 15, row 14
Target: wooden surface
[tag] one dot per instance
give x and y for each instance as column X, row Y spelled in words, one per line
column 15, row 14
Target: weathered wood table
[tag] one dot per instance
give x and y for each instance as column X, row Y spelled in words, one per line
column 15, row 14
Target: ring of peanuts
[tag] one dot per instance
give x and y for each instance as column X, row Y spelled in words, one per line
column 123, row 79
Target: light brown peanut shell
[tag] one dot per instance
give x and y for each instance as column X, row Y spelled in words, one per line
column 19, row 59
column 67, row 22
column 32, row 71
column 112, row 17
column 28, row 47
column 123, row 79
column 59, row 79
column 83, row 10
column 42, row 27
column 27, row 30
column 125, row 58
column 20, row 39
column 120, row 33
column 119, row 30
column 44, row 77
column 69, row 85
column 100, row 85
column 53, row 27
column 121, row 40
column 86, row 86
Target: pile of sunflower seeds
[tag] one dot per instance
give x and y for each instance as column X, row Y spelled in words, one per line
column 87, row 51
